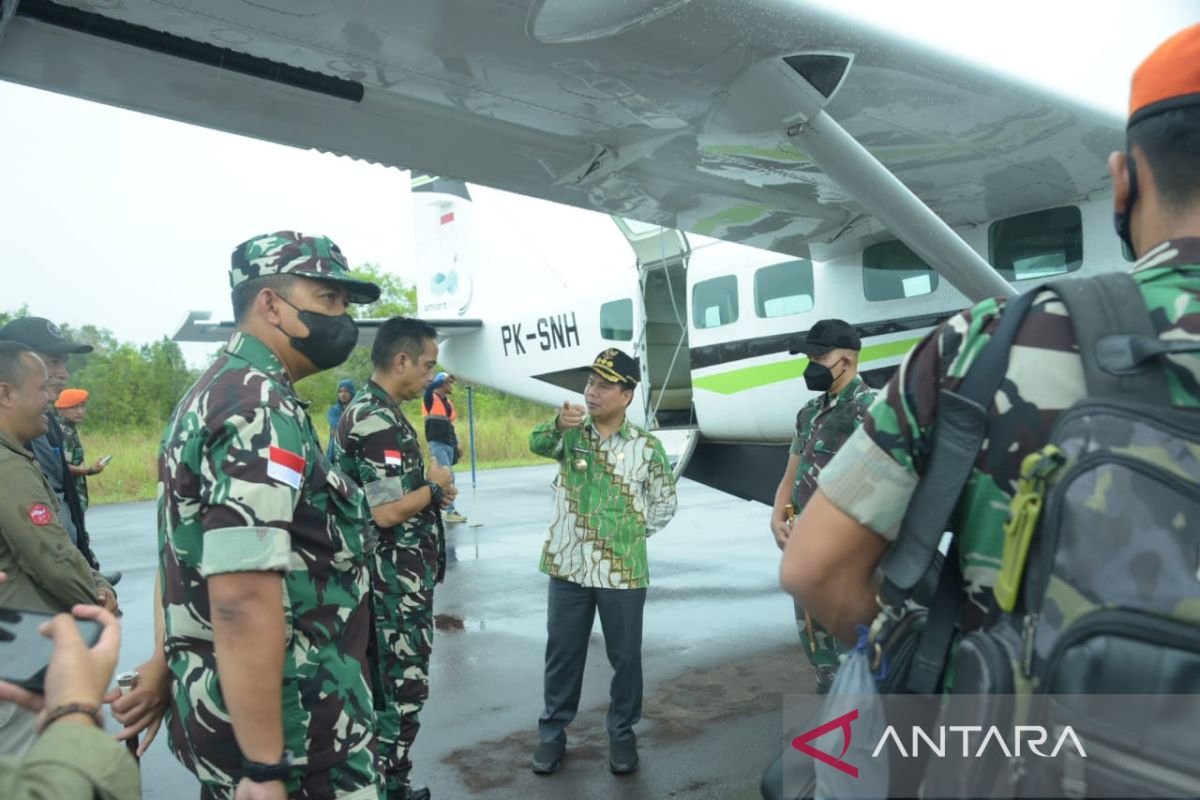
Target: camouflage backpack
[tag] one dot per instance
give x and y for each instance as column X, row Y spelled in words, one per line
column 1099, row 591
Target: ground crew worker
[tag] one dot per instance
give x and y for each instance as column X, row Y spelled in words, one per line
column 614, row 488
column 71, row 407
column 831, row 558
column 822, row 427
column 263, row 575
column 378, row 447
column 440, row 416
column 54, row 349
column 45, row 571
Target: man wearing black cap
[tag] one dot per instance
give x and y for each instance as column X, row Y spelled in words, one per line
column 822, row 425
column 47, row 340
column 614, row 488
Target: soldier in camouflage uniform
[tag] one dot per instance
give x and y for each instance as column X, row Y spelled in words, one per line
column 823, row 425
column 71, row 406
column 262, row 543
column 614, row 488
column 376, row 445
column 864, row 491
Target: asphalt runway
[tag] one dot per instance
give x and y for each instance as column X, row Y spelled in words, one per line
column 720, row 649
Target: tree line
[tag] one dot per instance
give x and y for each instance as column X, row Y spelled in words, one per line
column 136, row 387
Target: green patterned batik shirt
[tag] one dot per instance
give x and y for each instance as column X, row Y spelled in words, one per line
column 604, row 512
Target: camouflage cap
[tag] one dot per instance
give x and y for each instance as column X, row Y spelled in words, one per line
column 292, row 253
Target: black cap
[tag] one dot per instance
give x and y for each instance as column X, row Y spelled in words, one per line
column 615, row 366
column 42, row 335
column 826, row 335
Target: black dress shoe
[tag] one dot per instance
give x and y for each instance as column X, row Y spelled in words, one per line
column 623, row 756
column 113, row 578
column 408, row 792
column 548, row 757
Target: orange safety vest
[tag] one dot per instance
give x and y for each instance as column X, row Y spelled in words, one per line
column 437, row 408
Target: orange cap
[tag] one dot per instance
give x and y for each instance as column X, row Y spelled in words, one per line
column 1169, row 78
column 71, row 398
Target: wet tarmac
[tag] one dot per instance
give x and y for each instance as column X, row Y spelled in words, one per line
column 719, row 650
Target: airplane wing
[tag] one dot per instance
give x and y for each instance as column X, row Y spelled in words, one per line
column 664, row 111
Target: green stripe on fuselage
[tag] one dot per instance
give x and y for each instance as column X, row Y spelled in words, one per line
column 739, row 380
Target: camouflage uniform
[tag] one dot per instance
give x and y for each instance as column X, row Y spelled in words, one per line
column 874, row 475
column 73, row 451
column 822, row 426
column 245, row 487
column 376, row 445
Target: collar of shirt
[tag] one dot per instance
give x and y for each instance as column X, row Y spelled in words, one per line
column 251, row 350
column 626, row 430
column 10, row 442
column 379, row 393
column 1183, row 252
column 848, row 391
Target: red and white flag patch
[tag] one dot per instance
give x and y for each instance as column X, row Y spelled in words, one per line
column 286, row 467
column 40, row 514
column 392, row 458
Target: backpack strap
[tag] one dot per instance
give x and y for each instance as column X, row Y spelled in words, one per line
column 1117, row 338
column 957, row 435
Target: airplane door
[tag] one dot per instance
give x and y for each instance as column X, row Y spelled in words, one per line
column 662, row 256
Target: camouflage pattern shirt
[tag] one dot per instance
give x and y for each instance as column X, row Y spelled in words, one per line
column 876, row 472
column 244, row 486
column 73, row 451
column 376, row 445
column 604, row 512
column 822, row 427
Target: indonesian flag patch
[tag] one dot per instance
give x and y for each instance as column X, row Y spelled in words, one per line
column 392, row 458
column 285, row 467
column 40, row 514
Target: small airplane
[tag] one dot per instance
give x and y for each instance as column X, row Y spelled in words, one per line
column 849, row 173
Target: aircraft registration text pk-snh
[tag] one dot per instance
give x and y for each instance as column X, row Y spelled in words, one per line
column 555, row 332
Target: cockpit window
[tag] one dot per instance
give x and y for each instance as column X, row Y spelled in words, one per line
column 715, row 302
column 781, row 290
column 892, row 271
column 1037, row 245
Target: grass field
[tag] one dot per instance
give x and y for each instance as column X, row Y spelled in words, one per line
column 501, row 441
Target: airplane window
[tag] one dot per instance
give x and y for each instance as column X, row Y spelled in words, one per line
column 892, row 271
column 715, row 302
column 781, row 290
column 616, row 320
column 1037, row 245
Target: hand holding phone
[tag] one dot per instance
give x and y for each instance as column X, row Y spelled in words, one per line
column 77, row 672
column 26, row 651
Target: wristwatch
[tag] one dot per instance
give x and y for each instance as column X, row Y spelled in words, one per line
column 436, row 491
column 265, row 773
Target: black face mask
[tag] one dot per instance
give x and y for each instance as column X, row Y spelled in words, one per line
column 330, row 339
column 819, row 378
column 1121, row 218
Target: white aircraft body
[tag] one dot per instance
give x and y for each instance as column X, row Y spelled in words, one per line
column 857, row 175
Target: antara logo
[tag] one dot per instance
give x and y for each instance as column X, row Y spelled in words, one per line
column 1029, row 737
column 842, row 722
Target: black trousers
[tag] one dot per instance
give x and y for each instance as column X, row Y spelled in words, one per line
column 571, row 611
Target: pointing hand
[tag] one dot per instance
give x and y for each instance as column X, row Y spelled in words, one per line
column 570, row 416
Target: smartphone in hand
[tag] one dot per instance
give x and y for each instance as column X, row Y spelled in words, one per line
column 25, row 653
column 104, row 461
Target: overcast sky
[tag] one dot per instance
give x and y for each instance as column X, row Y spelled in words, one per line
column 127, row 221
